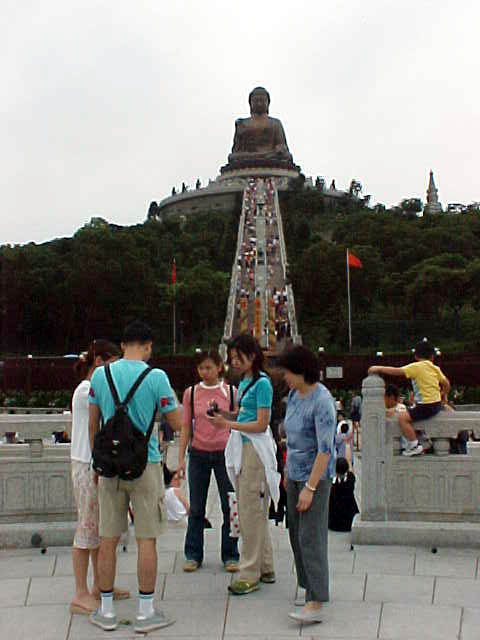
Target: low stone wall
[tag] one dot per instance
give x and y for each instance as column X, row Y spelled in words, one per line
column 429, row 500
column 35, row 483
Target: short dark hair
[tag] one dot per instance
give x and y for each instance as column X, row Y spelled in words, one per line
column 341, row 466
column 392, row 391
column 302, row 362
column 137, row 331
column 247, row 345
column 424, row 349
column 344, row 427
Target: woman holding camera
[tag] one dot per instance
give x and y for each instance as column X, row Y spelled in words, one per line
column 251, row 463
column 207, row 454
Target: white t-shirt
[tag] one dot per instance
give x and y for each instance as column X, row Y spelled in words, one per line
column 80, row 448
column 175, row 508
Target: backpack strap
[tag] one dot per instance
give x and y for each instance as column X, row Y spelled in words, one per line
column 231, row 397
column 132, row 391
column 136, row 384
column 111, row 384
column 192, row 406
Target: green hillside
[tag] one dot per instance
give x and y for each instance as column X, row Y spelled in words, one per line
column 59, row 295
column 420, row 276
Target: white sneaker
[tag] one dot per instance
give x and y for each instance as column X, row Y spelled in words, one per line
column 413, row 451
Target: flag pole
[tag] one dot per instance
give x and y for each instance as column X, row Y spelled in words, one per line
column 349, row 308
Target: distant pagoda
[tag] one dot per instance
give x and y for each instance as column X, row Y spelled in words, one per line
column 433, row 205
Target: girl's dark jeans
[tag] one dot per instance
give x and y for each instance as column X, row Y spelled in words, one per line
column 200, row 466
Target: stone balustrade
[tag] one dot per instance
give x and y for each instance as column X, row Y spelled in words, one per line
column 36, row 494
column 35, row 482
column 422, row 500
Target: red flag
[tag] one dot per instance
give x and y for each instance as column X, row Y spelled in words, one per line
column 353, row 261
column 174, row 272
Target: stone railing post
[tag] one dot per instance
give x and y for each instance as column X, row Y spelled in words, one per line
column 376, row 449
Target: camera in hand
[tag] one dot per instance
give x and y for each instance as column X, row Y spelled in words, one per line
column 212, row 409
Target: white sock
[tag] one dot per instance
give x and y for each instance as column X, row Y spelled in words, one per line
column 106, row 607
column 412, row 444
column 145, row 605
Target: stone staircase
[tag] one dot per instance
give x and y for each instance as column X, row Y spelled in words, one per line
column 261, row 300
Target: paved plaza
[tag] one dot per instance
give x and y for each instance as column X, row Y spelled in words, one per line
column 393, row 593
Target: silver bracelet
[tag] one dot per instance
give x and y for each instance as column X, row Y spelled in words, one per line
column 312, row 489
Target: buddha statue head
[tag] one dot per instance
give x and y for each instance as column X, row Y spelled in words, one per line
column 259, row 101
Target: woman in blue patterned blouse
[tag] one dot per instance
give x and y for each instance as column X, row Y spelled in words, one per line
column 310, row 425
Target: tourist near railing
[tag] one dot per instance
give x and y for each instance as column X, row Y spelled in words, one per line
column 228, row 327
column 292, row 318
column 428, row 500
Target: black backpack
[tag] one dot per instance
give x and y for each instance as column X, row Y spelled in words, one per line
column 120, row 448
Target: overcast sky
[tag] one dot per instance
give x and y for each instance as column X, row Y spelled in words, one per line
column 106, row 105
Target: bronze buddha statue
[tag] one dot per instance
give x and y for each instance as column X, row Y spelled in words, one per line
column 259, row 141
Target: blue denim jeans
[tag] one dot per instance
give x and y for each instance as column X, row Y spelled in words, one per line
column 200, row 466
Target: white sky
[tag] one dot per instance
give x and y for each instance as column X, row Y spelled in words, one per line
column 106, row 105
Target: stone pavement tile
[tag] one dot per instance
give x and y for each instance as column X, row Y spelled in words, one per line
column 454, row 563
column 41, row 623
column 169, row 541
column 57, row 590
column 63, row 564
column 346, row 588
column 341, row 562
column 200, row 618
column 283, row 562
column 285, row 588
column 186, row 586
column 251, row 616
column 415, row 589
column 339, row 541
column 127, row 562
column 212, row 563
column 27, row 566
column 260, row 637
column 358, row 621
column 470, row 624
column 60, row 589
column 383, row 562
column 422, row 622
column 384, row 550
column 462, row 593
column 13, row 592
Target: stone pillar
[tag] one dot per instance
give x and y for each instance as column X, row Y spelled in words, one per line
column 376, row 442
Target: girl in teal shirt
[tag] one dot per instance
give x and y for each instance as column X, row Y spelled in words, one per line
column 254, row 398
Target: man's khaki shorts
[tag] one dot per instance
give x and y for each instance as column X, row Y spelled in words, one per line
column 144, row 494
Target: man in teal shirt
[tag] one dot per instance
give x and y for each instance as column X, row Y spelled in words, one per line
column 115, row 495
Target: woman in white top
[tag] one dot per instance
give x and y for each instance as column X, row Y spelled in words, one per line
column 86, row 540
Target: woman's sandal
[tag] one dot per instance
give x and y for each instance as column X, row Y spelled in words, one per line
column 81, row 610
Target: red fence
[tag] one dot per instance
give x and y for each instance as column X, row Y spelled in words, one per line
column 341, row 372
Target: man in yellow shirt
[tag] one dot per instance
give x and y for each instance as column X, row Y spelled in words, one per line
column 429, row 385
